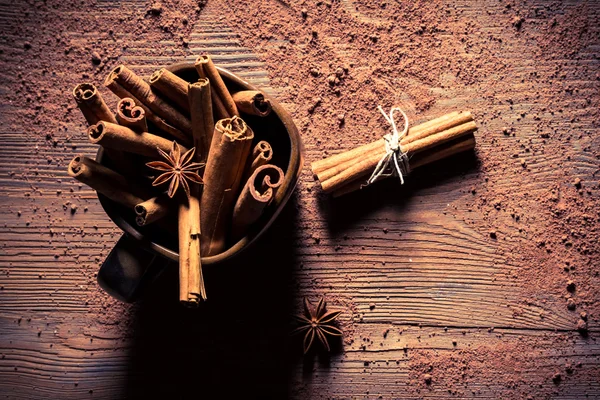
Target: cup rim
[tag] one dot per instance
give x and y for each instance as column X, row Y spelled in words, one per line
column 293, row 171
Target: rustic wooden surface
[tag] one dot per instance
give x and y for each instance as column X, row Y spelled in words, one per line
column 409, row 273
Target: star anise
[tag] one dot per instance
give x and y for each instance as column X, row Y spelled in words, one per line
column 178, row 169
column 317, row 322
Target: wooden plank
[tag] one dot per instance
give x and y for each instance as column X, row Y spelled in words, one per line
column 413, row 268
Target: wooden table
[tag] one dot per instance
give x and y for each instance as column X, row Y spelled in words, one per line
column 415, row 280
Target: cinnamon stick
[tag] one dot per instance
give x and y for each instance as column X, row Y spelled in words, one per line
column 203, row 125
column 157, row 121
column 91, row 104
column 252, row 102
column 131, row 116
column 218, row 108
column 224, row 169
column 255, row 196
column 172, row 87
column 152, row 210
column 106, row 181
column 144, row 93
column 261, row 154
column 115, row 136
column 206, row 68
column 191, row 281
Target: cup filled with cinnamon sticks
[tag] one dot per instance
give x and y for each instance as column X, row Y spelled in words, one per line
column 194, row 164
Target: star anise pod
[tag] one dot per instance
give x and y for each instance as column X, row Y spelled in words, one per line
column 178, row 169
column 317, row 322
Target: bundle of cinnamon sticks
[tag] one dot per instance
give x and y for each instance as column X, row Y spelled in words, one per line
column 194, row 135
column 423, row 144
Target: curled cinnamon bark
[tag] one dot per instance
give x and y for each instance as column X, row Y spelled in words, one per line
column 144, row 93
column 106, row 181
column 115, row 136
column 261, row 154
column 225, row 106
column 91, row 104
column 224, row 169
column 157, row 121
column 152, row 210
column 252, row 102
column 131, row 116
column 255, row 196
column 172, row 87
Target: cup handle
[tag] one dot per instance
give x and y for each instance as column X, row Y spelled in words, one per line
column 130, row 269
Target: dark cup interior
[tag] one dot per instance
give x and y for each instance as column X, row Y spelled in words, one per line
column 277, row 128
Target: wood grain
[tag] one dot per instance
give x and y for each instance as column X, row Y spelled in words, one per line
column 410, row 271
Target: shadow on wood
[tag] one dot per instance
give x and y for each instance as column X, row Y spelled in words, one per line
column 233, row 345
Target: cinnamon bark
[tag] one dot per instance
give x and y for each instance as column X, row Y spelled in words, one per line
column 255, row 196
column 191, row 281
column 106, row 181
column 131, row 116
column 262, row 153
column 144, row 93
column 115, row 136
column 203, row 125
column 152, row 210
column 206, row 69
column 157, row 121
column 172, row 87
column 224, row 169
column 252, row 102
column 91, row 104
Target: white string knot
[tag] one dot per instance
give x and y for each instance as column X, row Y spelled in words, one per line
column 395, row 161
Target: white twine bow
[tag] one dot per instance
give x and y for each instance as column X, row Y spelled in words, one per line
column 394, row 161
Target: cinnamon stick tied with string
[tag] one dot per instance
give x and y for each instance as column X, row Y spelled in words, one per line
column 345, row 168
column 191, row 281
column 172, row 87
column 142, row 91
column 131, row 116
column 252, row 102
column 229, row 150
column 222, row 101
column 151, row 117
column 91, row 104
column 106, row 181
column 464, row 144
column 115, row 136
column 256, row 195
